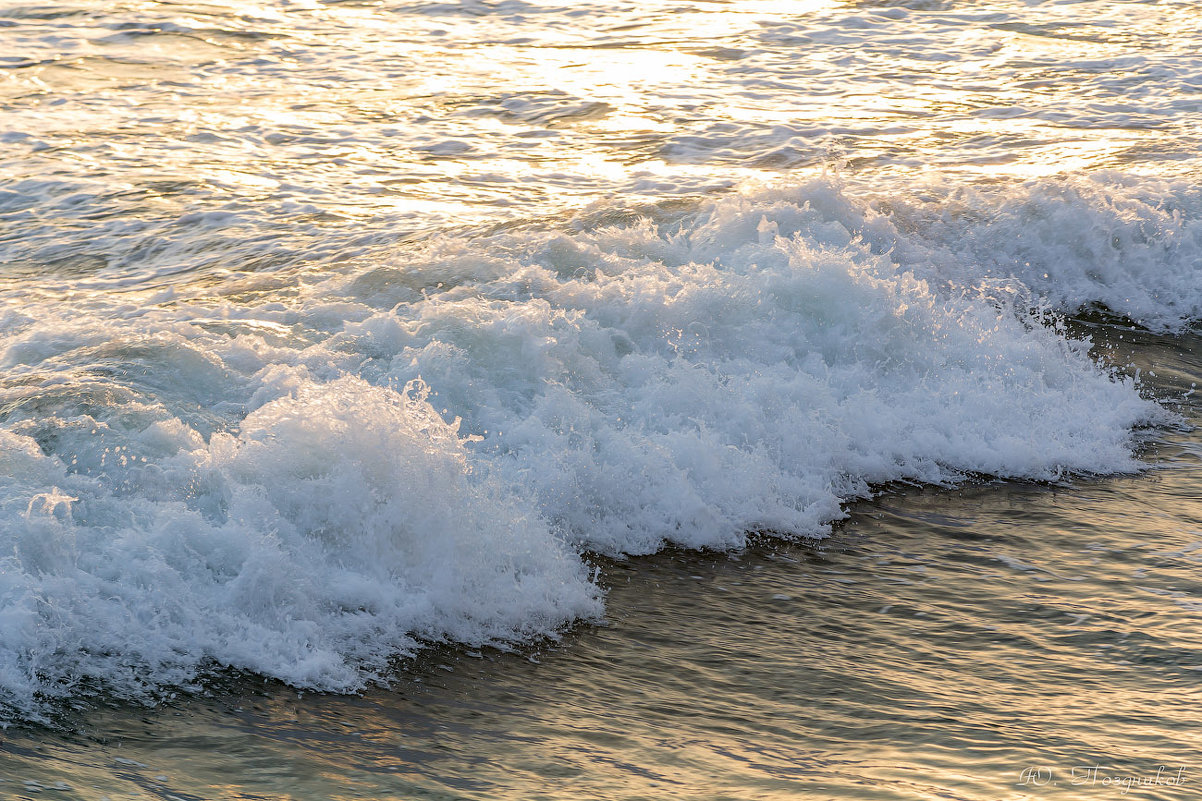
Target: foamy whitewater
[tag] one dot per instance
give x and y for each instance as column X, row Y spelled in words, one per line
column 242, row 432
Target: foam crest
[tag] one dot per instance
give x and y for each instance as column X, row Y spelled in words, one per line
column 756, row 371
column 334, row 531
column 1121, row 243
column 309, row 480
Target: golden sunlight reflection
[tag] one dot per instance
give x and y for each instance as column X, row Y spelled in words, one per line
column 571, row 115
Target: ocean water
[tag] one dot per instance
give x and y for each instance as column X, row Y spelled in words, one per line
column 741, row 399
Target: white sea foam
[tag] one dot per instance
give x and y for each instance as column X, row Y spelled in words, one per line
column 314, row 545
column 304, row 480
column 1130, row 244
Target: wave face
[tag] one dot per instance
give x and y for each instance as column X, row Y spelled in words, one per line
column 305, row 477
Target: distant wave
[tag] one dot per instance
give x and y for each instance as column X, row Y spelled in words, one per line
column 1129, row 244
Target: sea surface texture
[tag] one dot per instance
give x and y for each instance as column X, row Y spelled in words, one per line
column 833, row 362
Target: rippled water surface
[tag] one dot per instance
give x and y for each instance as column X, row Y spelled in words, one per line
column 148, row 139
column 740, row 399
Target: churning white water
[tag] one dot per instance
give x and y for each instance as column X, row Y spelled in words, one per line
column 334, row 330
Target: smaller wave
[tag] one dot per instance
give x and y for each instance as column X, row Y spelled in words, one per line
column 1121, row 243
